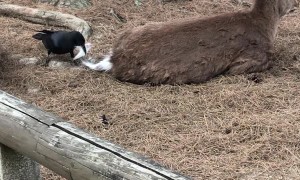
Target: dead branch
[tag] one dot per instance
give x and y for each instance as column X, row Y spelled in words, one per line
column 46, row 17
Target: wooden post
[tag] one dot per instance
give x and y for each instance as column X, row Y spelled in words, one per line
column 69, row 151
column 17, row 167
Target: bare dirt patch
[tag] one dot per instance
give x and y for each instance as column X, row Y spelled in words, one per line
column 228, row 128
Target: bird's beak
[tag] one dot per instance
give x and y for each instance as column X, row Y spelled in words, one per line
column 81, row 53
column 84, row 49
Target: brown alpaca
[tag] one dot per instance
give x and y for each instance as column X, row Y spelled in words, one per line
column 195, row 50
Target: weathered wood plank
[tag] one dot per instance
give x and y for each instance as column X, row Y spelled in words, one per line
column 69, row 151
column 30, row 110
column 118, row 151
column 17, row 167
column 21, row 133
column 46, row 17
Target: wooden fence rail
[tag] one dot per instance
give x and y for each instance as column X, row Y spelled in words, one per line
column 67, row 150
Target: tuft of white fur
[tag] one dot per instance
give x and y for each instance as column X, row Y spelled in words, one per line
column 104, row 65
column 81, row 53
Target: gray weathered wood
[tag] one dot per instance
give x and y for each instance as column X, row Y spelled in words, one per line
column 17, row 167
column 67, row 150
column 46, row 17
column 68, row 3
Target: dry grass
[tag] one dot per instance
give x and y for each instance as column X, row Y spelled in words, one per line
column 228, row 128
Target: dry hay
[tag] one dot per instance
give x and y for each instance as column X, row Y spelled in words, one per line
column 230, row 127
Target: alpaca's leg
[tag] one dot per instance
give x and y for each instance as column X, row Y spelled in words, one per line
column 249, row 64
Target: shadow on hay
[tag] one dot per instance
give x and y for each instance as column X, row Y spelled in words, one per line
column 9, row 70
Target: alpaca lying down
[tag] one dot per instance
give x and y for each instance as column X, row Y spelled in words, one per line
column 195, row 50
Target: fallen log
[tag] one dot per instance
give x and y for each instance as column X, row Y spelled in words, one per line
column 46, row 17
column 68, row 150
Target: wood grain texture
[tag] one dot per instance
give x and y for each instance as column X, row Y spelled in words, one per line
column 68, row 150
column 46, row 17
column 16, row 166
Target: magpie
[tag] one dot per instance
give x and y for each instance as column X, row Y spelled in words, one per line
column 61, row 42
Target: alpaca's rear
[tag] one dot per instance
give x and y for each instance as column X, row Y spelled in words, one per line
column 195, row 50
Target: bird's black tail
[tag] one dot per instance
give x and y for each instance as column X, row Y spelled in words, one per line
column 39, row 36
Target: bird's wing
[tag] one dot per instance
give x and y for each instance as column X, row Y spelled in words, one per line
column 60, row 39
column 46, row 31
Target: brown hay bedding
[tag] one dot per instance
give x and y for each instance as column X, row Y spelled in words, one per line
column 227, row 128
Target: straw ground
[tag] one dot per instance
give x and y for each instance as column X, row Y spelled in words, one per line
column 233, row 127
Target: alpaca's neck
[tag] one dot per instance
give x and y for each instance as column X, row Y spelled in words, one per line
column 267, row 9
column 267, row 16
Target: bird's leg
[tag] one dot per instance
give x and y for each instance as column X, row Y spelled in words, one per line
column 72, row 54
column 47, row 59
column 76, row 62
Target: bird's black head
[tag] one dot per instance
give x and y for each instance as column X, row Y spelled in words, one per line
column 78, row 40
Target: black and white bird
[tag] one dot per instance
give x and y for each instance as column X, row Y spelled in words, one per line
column 61, row 42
